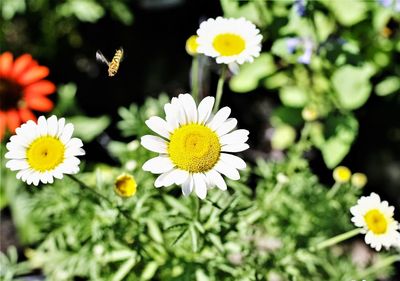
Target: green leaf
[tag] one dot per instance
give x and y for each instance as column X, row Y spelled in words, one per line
column 283, row 137
column 154, row 231
column 293, row 96
column 88, row 128
column 325, row 25
column 124, row 269
column 84, row 10
column 388, row 86
column 340, row 133
column 352, row 86
column 348, row 12
column 149, row 271
column 195, row 238
column 251, row 73
column 122, row 12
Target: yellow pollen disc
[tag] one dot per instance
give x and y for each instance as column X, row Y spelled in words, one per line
column 45, row 153
column 228, row 44
column 376, row 221
column 125, row 185
column 194, row 148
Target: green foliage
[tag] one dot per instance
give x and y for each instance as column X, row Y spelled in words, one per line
column 239, row 234
column 340, row 74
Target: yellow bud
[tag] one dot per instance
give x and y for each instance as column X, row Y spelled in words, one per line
column 125, row 185
column 359, row 180
column 341, row 174
column 309, row 114
column 191, row 45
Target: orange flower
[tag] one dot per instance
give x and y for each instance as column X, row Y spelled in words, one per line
column 22, row 89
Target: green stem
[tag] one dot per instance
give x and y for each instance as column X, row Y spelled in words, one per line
column 195, row 78
column 220, row 88
column 337, row 239
column 335, row 188
column 378, row 266
column 99, row 195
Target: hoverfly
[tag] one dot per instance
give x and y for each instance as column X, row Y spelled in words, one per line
column 114, row 64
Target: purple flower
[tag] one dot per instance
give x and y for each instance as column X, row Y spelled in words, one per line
column 300, row 7
column 385, row 3
column 292, row 44
column 390, row 3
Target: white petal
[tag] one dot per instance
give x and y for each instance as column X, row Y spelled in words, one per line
column 238, row 136
column 74, row 143
column 17, row 164
column 154, row 143
column 158, row 165
column 15, row 154
column 227, row 126
column 187, row 186
column 158, row 126
column 227, row 170
column 205, row 109
column 180, row 111
column 216, row 179
column 52, row 126
column 233, row 160
column 200, row 187
column 171, row 116
column 42, row 126
column 190, row 107
column 220, row 118
column 67, row 133
column 60, row 128
column 234, row 147
column 164, row 179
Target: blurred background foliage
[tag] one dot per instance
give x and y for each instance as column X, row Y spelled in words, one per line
column 333, row 60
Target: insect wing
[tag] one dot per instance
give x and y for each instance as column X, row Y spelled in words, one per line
column 100, row 57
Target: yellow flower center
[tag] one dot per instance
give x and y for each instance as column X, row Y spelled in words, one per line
column 376, row 221
column 341, row 174
column 45, row 153
column 125, row 185
column 228, row 44
column 191, row 45
column 194, row 148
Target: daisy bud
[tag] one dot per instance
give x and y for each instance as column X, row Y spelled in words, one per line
column 191, row 45
column 359, row 180
column 125, row 185
column 341, row 174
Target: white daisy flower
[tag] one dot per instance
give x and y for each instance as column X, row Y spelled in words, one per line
column 44, row 150
column 229, row 40
column 376, row 220
column 194, row 146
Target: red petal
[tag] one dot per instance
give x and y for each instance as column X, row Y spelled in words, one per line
column 26, row 114
column 33, row 74
column 6, row 63
column 39, row 103
column 13, row 120
column 42, row 87
column 22, row 64
column 2, row 125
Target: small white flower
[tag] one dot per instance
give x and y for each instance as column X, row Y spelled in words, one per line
column 229, row 40
column 44, row 150
column 194, row 146
column 376, row 220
